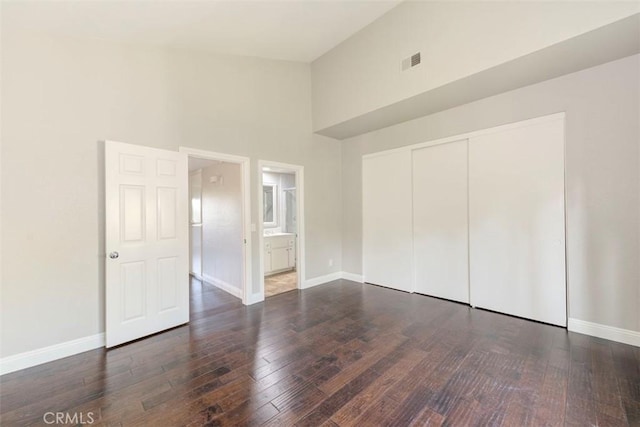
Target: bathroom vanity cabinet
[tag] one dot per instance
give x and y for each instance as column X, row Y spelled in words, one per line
column 279, row 253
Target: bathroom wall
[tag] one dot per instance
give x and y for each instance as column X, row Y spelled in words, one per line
column 282, row 180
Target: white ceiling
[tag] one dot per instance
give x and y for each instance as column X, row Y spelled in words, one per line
column 196, row 163
column 296, row 30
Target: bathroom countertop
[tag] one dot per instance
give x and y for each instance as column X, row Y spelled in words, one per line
column 279, row 234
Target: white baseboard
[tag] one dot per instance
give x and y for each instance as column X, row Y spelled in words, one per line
column 221, row 284
column 47, row 354
column 274, row 272
column 254, row 298
column 309, row 283
column 320, row 280
column 353, row 277
column 625, row 336
column 58, row 351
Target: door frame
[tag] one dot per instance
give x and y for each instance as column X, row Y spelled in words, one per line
column 298, row 171
column 245, row 191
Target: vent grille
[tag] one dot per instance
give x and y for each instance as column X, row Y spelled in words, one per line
column 415, row 59
column 411, row 61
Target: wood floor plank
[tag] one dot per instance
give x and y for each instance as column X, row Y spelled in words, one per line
column 551, row 397
column 427, row 417
column 361, row 402
column 341, row 354
column 367, row 361
column 325, row 410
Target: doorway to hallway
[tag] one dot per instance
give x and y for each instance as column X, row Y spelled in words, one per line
column 219, row 227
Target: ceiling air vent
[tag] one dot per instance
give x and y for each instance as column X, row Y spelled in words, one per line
column 411, row 61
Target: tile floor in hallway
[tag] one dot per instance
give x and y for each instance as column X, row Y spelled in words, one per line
column 279, row 283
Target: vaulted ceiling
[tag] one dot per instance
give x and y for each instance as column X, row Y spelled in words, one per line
column 296, row 30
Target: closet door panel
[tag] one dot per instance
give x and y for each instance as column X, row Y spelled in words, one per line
column 386, row 220
column 516, row 228
column 440, row 221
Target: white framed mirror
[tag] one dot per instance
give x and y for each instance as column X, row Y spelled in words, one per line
column 270, row 205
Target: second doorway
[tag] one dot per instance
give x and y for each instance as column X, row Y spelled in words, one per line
column 280, row 228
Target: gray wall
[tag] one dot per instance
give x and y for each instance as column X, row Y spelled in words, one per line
column 61, row 96
column 456, row 38
column 222, row 224
column 602, row 178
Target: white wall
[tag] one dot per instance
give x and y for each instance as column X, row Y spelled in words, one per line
column 61, row 96
column 195, row 222
column 222, row 225
column 602, row 106
column 457, row 39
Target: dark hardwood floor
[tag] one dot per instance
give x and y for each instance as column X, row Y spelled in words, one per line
column 339, row 354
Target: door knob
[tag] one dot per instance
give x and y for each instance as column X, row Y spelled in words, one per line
column 114, row 255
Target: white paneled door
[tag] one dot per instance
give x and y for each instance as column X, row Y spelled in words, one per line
column 440, row 221
column 516, row 228
column 147, row 244
column 386, row 220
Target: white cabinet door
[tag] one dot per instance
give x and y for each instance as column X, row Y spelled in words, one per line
column 279, row 259
column 516, row 212
column 147, row 242
column 292, row 257
column 267, row 262
column 386, row 220
column 440, row 221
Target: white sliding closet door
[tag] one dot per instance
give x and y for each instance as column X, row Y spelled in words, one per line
column 516, row 212
column 386, row 220
column 440, row 221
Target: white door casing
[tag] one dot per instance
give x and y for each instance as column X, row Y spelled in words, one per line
column 440, row 221
column 147, row 244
